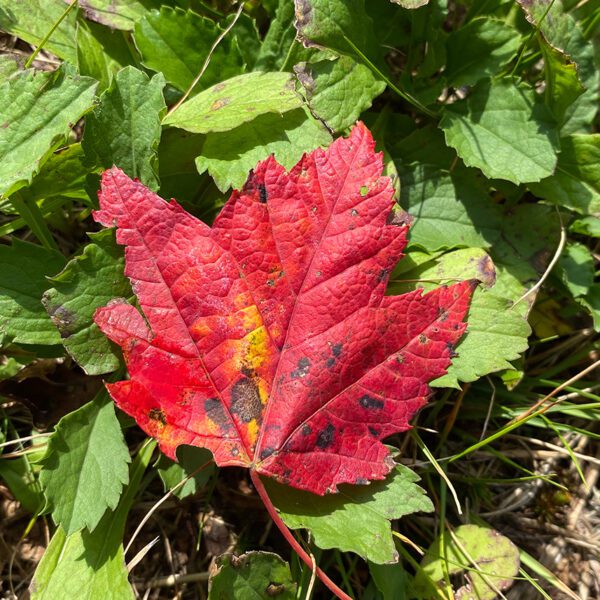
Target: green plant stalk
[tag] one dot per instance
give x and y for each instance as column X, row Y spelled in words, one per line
column 49, row 34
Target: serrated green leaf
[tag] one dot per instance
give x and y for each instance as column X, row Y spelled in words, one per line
column 331, row 23
column 176, row 43
column 88, row 282
column 496, row 557
column 587, row 226
column 91, row 563
column 117, row 14
column 256, row 575
column 357, row 519
column 338, row 91
column 229, row 156
column 190, row 458
column 576, row 269
column 24, row 269
column 102, row 52
column 236, row 101
column 31, row 20
column 576, row 182
column 85, row 466
column 278, row 40
column 505, row 130
column 37, row 112
column 124, row 130
column 479, row 50
column 450, row 210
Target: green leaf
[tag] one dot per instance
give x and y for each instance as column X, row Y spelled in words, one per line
column 117, row 14
column 338, row 91
column 85, row 466
column 91, row 563
column 331, row 23
column 450, row 210
column 124, row 130
column 31, row 20
column 89, row 281
column 37, row 112
column 63, row 174
column 391, row 580
column 177, row 42
column 102, row 52
column 562, row 33
column 190, row 458
column 591, row 303
column 411, row 3
column 576, row 182
column 505, row 130
column 496, row 557
column 236, row 101
column 256, row 575
column 279, row 39
column 9, row 65
column 24, row 269
column 576, row 269
column 229, row 156
column 587, row 226
column 357, row 519
column 479, row 50
column 18, row 475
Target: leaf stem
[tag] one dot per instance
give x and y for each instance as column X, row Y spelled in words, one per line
column 291, row 540
column 49, row 34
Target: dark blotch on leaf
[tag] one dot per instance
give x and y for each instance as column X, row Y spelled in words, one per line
column 216, row 413
column 303, row 368
column 266, row 452
column 374, row 431
column 330, row 362
column 325, row 437
column 245, row 400
column 156, row 414
column 367, row 401
column 306, row 429
column 275, row 589
column 262, row 191
column 422, row 338
column 336, row 349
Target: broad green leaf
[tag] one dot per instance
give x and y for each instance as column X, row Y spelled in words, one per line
column 63, row 174
column 247, row 38
column 587, row 226
column 391, row 580
column 176, row 43
column 562, row 81
column 256, row 575
column 479, row 50
column 88, row 282
column 124, row 130
column 576, row 269
column 117, row 14
column 85, row 466
column 576, row 182
column 496, row 333
column 236, row 101
column 87, row 563
column 24, row 269
column 505, row 130
column 332, row 23
column 561, row 32
column 190, row 458
column 591, row 303
column 102, row 52
column 37, row 112
column 31, row 20
column 9, row 66
column 450, row 210
column 357, row 519
column 425, row 145
column 338, row 91
column 229, row 156
column 278, row 40
column 496, row 558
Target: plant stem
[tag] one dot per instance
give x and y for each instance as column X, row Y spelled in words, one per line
column 291, row 540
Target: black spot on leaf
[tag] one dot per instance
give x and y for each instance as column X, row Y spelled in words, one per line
column 336, row 349
column 325, row 437
column 262, row 191
column 156, row 414
column 374, row 431
column 216, row 413
column 306, row 429
column 266, row 452
column 302, row 370
column 367, row 401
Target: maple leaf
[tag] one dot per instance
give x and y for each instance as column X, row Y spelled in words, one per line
column 268, row 338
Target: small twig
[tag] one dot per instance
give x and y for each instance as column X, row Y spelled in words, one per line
column 559, row 249
column 173, row 580
column 489, row 411
column 207, row 61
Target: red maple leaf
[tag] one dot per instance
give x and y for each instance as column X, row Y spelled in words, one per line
column 268, row 338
